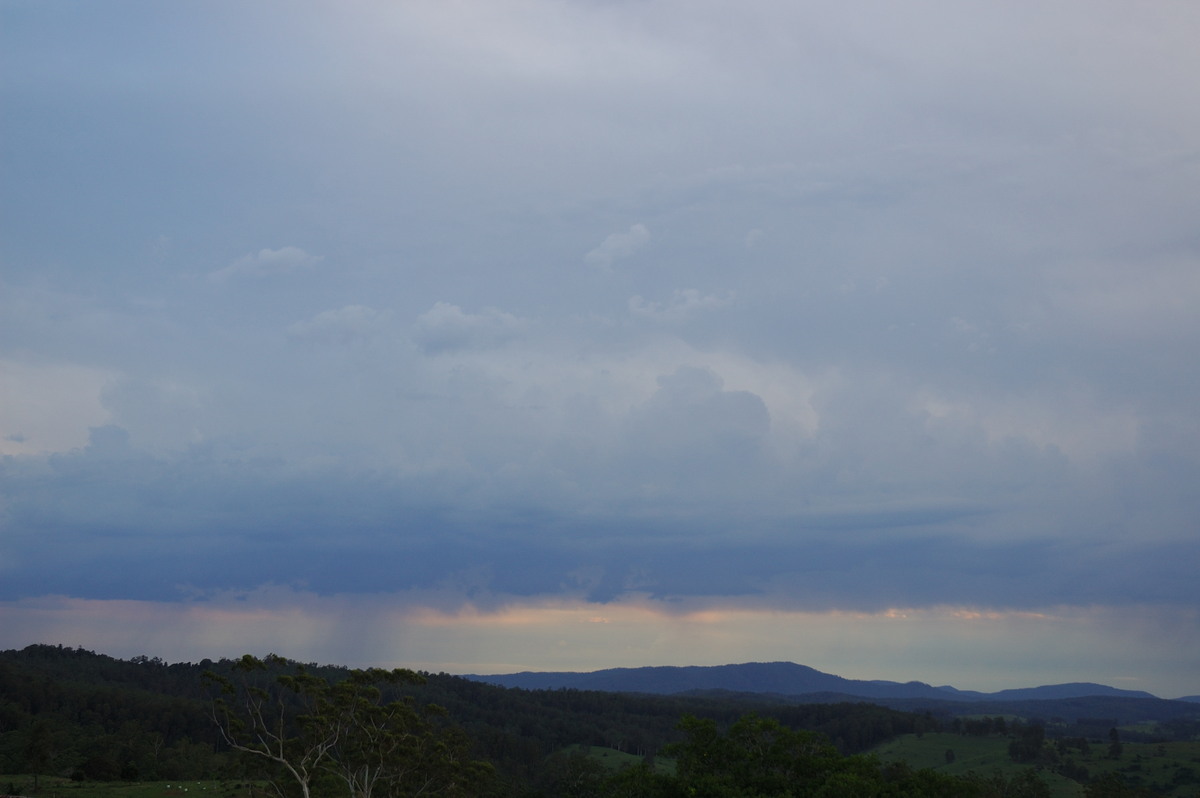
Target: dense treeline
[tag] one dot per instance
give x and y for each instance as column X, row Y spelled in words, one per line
column 761, row 757
column 359, row 737
column 637, row 724
column 71, row 711
column 67, row 711
column 1090, row 716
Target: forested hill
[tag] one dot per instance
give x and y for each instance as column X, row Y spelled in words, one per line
column 782, row 678
column 106, row 718
column 785, row 682
column 70, row 712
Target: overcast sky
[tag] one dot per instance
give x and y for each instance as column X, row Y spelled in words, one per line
column 571, row 334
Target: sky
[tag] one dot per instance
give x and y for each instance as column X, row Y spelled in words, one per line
column 482, row 337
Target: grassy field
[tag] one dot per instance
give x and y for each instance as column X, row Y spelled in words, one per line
column 51, row 787
column 615, row 760
column 1170, row 769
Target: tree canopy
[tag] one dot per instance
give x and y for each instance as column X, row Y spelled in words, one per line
column 305, row 728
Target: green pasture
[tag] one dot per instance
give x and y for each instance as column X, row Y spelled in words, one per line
column 54, row 787
column 614, row 760
column 1169, row 769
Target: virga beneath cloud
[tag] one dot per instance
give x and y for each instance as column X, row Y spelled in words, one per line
column 827, row 312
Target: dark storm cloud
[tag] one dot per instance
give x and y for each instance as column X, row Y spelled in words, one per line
column 824, row 307
column 138, row 527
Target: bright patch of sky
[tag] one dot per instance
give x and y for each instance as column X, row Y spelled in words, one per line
column 577, row 310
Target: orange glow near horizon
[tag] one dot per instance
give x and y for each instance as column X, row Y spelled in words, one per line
column 530, row 613
column 972, row 647
column 550, row 612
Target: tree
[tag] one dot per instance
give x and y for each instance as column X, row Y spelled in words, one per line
column 378, row 743
column 761, row 757
column 39, row 750
column 391, row 747
column 1112, row 785
column 278, row 720
column 1025, row 784
column 1027, row 746
column 573, row 774
column 1114, row 746
column 756, row 756
column 303, row 727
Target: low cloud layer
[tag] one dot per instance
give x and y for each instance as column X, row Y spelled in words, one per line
column 799, row 310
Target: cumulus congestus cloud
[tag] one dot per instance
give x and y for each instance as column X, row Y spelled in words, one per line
column 825, row 332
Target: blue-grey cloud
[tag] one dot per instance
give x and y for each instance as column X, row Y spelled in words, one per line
column 817, row 307
column 110, row 522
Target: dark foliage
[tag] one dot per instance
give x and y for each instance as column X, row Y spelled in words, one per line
column 71, row 712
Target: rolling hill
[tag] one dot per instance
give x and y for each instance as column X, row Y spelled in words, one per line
column 781, row 678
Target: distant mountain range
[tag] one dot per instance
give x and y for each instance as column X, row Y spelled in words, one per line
column 782, row 678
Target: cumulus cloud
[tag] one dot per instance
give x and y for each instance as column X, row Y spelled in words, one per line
column 682, row 305
column 693, row 432
column 446, row 327
column 49, row 407
column 266, row 262
column 618, row 246
column 159, row 414
column 340, row 326
column 923, row 357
